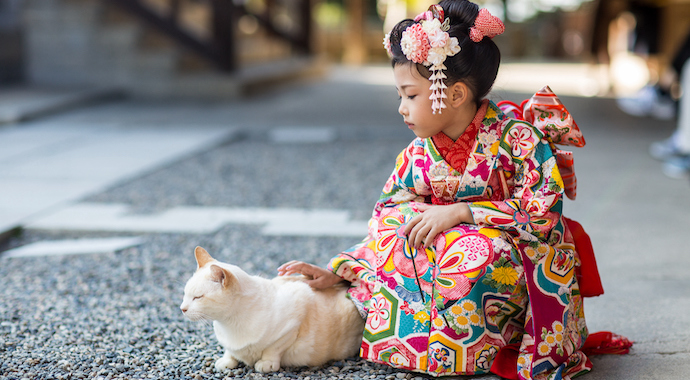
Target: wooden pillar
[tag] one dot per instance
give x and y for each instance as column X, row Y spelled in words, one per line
column 223, row 31
column 354, row 48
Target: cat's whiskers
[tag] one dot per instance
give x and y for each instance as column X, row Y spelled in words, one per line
column 196, row 316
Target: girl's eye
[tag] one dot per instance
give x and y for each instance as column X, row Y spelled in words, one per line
column 411, row 97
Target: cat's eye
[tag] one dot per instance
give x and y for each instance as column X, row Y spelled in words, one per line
column 196, row 298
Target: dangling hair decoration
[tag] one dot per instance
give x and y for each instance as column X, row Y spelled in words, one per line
column 486, row 25
column 427, row 42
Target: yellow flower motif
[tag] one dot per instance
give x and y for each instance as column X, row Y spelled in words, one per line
column 557, row 327
column 543, row 348
column 530, row 252
column 559, row 338
column 455, row 309
column 438, row 322
column 469, row 305
column 463, row 320
column 475, row 319
column 550, row 340
column 490, row 113
column 505, row 275
column 543, row 249
column 422, row 316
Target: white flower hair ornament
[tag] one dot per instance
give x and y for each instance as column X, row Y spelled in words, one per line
column 427, row 42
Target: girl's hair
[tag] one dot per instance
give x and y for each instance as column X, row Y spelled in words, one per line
column 476, row 64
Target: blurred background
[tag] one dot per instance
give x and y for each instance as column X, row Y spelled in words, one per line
column 264, row 106
column 228, row 48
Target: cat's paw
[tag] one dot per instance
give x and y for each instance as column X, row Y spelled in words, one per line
column 226, row 362
column 267, row 366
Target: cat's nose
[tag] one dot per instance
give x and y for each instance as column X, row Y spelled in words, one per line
column 183, row 308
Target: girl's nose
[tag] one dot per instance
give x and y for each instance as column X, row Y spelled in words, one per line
column 402, row 110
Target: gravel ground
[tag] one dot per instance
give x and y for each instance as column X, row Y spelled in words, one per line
column 116, row 315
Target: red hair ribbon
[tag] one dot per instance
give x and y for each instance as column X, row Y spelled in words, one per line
column 486, row 25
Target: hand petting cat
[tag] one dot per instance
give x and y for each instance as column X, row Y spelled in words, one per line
column 320, row 278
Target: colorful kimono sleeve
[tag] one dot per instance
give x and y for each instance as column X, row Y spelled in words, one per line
column 400, row 187
column 354, row 265
column 535, row 202
column 357, row 264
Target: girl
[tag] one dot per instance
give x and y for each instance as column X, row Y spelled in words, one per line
column 468, row 266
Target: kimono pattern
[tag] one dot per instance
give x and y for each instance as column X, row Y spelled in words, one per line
column 504, row 283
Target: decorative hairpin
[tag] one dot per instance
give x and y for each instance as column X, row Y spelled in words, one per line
column 427, row 42
column 486, row 25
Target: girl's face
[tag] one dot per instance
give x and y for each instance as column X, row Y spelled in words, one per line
column 415, row 105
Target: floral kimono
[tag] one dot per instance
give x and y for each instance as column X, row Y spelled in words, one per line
column 484, row 296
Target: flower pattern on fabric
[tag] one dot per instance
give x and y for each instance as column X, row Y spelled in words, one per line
column 448, row 309
column 523, row 140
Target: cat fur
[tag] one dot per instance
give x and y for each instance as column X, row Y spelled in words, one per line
column 266, row 323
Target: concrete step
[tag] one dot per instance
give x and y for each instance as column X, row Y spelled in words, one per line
column 249, row 80
column 77, row 43
column 22, row 103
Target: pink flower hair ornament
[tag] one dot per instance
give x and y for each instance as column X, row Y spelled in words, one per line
column 427, row 42
column 486, row 25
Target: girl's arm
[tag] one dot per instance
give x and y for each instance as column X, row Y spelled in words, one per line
column 536, row 199
column 422, row 230
column 535, row 203
column 320, row 278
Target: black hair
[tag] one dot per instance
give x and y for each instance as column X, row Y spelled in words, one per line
column 476, row 64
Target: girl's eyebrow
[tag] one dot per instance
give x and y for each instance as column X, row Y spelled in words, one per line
column 404, row 86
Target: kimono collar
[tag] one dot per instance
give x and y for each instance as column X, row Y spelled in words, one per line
column 456, row 153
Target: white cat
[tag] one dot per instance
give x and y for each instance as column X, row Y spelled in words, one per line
column 268, row 323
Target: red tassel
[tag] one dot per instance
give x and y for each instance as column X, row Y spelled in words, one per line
column 505, row 362
column 605, row 342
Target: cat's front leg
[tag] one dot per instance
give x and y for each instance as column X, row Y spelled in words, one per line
column 269, row 365
column 270, row 358
column 227, row 362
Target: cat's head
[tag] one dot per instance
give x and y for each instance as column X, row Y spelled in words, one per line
column 207, row 295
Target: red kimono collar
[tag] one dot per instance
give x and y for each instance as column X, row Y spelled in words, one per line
column 456, row 153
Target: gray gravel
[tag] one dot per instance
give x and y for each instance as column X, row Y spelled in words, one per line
column 116, row 315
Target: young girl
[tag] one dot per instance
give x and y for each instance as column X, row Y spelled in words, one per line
column 468, row 266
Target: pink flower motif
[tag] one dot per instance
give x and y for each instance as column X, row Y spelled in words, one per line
column 387, row 43
column 414, row 43
column 378, row 312
column 523, row 141
column 438, row 38
column 424, row 16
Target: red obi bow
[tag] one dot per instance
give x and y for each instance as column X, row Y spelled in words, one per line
column 546, row 112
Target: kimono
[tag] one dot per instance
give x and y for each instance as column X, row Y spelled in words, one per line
column 486, row 295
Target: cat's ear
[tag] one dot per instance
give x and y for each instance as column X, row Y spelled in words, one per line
column 221, row 275
column 202, row 257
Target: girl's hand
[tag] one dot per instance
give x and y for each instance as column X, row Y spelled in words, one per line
column 422, row 229
column 320, row 278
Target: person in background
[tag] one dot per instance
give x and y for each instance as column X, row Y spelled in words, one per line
column 675, row 150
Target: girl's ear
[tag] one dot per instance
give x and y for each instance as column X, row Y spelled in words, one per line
column 458, row 94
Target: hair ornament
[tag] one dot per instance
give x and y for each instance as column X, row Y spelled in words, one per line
column 486, row 25
column 427, row 42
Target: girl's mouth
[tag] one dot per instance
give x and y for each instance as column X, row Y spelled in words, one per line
column 409, row 125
